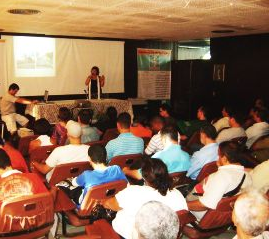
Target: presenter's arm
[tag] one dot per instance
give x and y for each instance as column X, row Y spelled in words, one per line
column 25, row 101
column 87, row 81
column 102, row 80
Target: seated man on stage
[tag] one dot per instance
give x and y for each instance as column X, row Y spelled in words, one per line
column 126, row 142
column 71, row 153
column 8, row 110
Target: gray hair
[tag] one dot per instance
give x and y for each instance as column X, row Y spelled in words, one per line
column 155, row 220
column 251, row 211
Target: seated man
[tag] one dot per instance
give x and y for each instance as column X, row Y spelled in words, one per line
column 8, row 111
column 165, row 111
column 207, row 154
column 16, row 183
column 228, row 179
column 89, row 133
column 259, row 176
column 224, row 121
column 155, row 220
column 100, row 174
column 258, row 129
column 74, row 152
column 235, row 130
column 126, row 142
column 251, row 215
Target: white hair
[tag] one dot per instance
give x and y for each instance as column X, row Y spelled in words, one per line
column 155, row 220
column 251, row 212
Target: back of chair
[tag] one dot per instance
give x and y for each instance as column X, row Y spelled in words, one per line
column 179, row 178
column 219, row 217
column 101, row 193
column 98, row 142
column 128, row 160
column 27, row 216
column 68, row 170
column 110, row 134
column 207, row 170
column 24, row 142
column 40, row 154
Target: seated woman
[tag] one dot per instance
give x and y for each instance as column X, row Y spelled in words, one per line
column 42, row 128
column 158, row 187
column 59, row 135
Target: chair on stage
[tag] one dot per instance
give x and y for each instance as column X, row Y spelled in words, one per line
column 27, row 217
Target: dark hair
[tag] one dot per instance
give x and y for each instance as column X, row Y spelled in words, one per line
column 155, row 173
column 13, row 86
column 167, row 108
column 228, row 109
column 262, row 114
column 111, row 113
column 4, row 159
column 64, row 114
column 98, row 154
column 171, row 132
column 85, row 116
column 239, row 118
column 232, row 150
column 141, row 119
column 2, row 141
column 96, row 68
column 124, row 119
column 210, row 131
column 205, row 111
column 42, row 127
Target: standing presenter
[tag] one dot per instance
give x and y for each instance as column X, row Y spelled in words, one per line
column 95, row 82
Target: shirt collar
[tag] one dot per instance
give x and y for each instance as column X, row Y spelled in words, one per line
column 10, row 172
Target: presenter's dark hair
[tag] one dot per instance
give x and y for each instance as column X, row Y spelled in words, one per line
column 96, row 68
column 13, row 86
column 64, row 114
column 124, row 119
column 4, row 159
column 98, row 154
column 155, row 173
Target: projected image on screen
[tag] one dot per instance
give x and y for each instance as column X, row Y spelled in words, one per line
column 34, row 56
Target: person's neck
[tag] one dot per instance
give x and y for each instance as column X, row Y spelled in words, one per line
column 74, row 140
column 235, row 125
column 169, row 143
column 124, row 131
column 209, row 141
column 241, row 234
column 99, row 166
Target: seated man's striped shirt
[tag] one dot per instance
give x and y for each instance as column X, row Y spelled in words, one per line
column 125, row 143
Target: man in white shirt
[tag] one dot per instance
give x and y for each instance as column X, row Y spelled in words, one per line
column 224, row 121
column 260, row 128
column 235, row 130
column 74, row 152
column 229, row 175
column 8, row 110
column 251, row 215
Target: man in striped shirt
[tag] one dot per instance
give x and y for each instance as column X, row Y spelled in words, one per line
column 126, row 142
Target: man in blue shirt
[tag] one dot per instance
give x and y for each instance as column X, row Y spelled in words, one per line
column 100, row 174
column 172, row 155
column 126, row 142
column 207, row 154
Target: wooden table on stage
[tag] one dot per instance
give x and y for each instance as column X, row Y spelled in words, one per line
column 50, row 110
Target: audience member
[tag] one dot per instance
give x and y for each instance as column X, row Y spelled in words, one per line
column 139, row 127
column 172, row 155
column 74, row 152
column 224, row 121
column 155, row 143
column 258, row 129
column 259, row 103
column 166, row 112
column 8, row 110
column 14, row 183
column 235, row 130
column 154, row 220
column 251, row 216
column 89, row 133
column 59, row 135
column 107, row 121
column 16, row 158
column 206, row 154
column 126, row 142
column 158, row 187
column 259, row 175
column 100, row 174
column 227, row 180
column 42, row 128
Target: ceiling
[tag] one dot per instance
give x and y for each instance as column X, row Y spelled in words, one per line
column 169, row 20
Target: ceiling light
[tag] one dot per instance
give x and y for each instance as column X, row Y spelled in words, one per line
column 223, row 31
column 24, row 11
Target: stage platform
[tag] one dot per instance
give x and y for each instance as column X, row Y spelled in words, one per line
column 50, row 110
